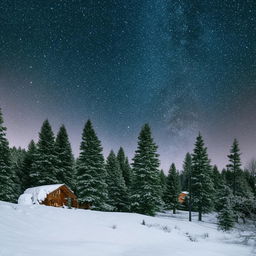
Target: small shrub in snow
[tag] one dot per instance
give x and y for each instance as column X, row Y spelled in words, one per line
column 114, row 227
column 166, row 229
column 205, row 235
column 190, row 237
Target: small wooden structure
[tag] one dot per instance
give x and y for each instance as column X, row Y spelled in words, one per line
column 61, row 196
column 57, row 195
column 182, row 197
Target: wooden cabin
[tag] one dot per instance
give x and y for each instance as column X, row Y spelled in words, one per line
column 182, row 197
column 60, row 197
column 57, row 195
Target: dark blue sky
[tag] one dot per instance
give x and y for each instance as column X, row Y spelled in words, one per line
column 182, row 66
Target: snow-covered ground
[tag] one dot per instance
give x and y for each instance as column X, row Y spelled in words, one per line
column 47, row 231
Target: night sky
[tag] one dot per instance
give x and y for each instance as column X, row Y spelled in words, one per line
column 179, row 65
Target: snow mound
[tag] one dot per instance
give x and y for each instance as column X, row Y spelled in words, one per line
column 25, row 199
column 36, row 195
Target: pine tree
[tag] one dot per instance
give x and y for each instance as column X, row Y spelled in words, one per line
column 7, row 186
column 186, row 182
column 27, row 165
column 234, row 165
column 163, row 180
column 217, row 183
column 216, row 178
column 91, row 173
column 251, row 175
column 17, row 158
column 44, row 170
column 251, row 181
column 125, row 167
column 172, row 189
column 117, row 191
column 240, row 186
column 146, row 190
column 227, row 177
column 127, row 172
column 202, row 185
column 187, row 166
column 226, row 217
column 65, row 159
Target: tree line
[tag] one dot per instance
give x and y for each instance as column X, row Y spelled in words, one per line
column 113, row 184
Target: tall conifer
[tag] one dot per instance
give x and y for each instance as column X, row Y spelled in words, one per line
column 17, row 158
column 90, row 171
column 172, row 189
column 240, row 186
column 27, row 166
column 125, row 167
column 146, row 190
column 187, row 167
column 44, row 170
column 163, row 180
column 65, row 159
column 117, row 191
column 202, row 185
column 7, row 185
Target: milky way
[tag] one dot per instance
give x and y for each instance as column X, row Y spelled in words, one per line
column 182, row 66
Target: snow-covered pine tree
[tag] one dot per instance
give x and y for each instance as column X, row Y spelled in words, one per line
column 217, row 183
column 7, row 185
column 234, row 166
column 90, row 171
column 29, row 159
column 125, row 167
column 240, row 186
column 44, row 170
column 251, row 175
column 186, row 182
column 187, row 166
column 163, row 180
column 216, row 178
column 172, row 189
column 146, row 189
column 201, row 180
column 128, row 172
column 251, row 180
column 65, row 159
column 17, row 158
column 117, row 190
column 226, row 217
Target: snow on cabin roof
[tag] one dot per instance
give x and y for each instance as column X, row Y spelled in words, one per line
column 38, row 194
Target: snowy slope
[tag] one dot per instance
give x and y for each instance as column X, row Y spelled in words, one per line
column 40, row 230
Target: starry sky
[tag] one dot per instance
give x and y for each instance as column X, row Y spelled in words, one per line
column 183, row 66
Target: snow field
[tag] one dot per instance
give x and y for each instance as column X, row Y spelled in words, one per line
column 40, row 230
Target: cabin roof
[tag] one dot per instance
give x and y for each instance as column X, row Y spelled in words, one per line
column 37, row 194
